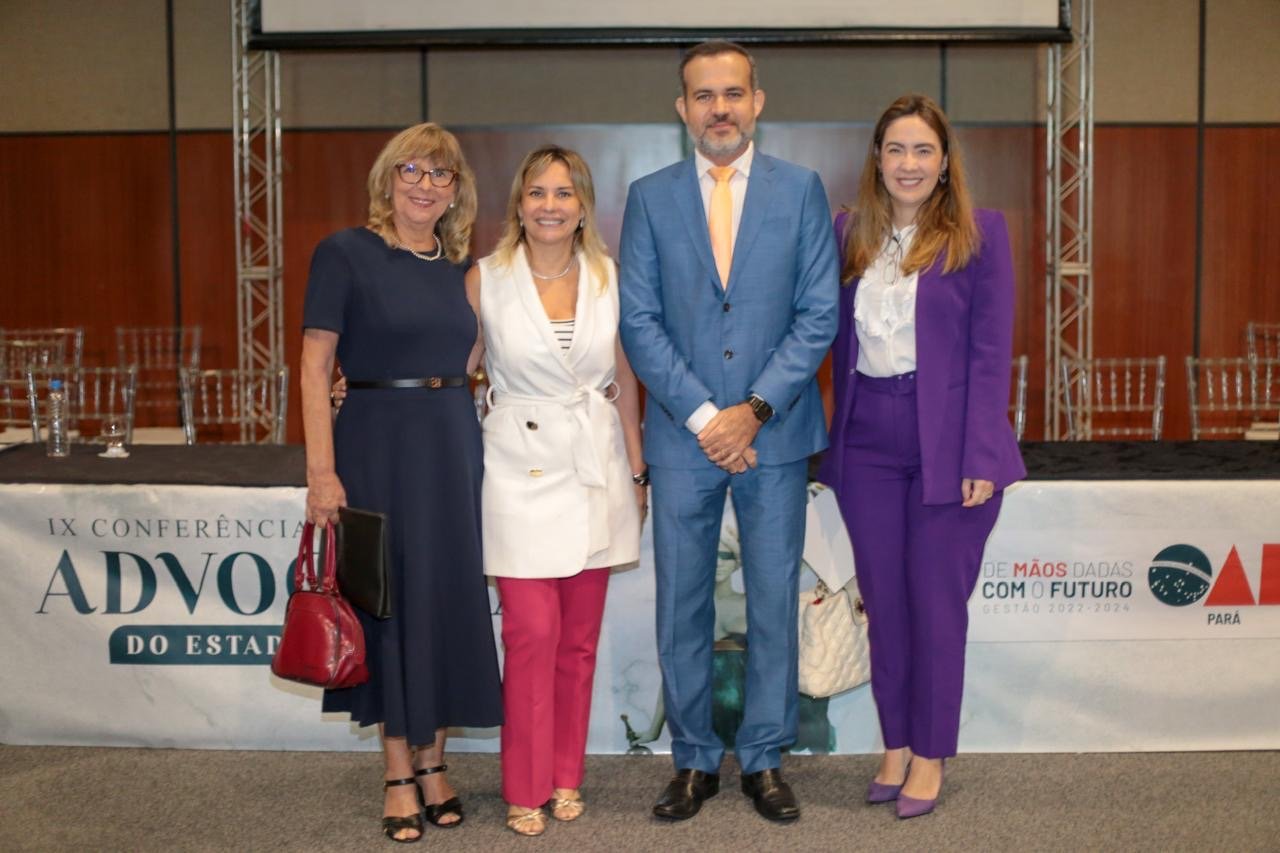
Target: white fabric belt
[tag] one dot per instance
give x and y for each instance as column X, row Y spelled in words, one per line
column 591, row 416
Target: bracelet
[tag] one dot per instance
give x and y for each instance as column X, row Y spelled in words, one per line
column 641, row 479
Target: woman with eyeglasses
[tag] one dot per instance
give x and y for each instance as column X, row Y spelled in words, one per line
column 921, row 447
column 389, row 301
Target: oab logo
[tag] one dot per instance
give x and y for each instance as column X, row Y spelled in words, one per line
column 1182, row 574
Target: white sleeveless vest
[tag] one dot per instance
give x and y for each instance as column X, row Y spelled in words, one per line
column 557, row 495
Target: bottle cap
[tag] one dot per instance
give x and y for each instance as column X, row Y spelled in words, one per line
column 55, row 384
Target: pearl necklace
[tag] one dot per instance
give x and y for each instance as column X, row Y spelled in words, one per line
column 422, row 257
column 560, row 274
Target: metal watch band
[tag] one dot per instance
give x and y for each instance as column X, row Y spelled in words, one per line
column 762, row 409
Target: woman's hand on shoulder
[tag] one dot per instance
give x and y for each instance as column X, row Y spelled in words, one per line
column 324, row 495
column 476, row 358
column 338, row 391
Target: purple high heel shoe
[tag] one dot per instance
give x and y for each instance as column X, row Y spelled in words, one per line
column 909, row 807
column 879, row 792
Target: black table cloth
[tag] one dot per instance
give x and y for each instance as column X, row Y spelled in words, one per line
column 284, row 465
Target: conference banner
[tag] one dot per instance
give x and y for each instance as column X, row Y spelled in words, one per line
column 1132, row 560
column 147, row 616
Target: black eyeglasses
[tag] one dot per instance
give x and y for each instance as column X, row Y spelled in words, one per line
column 411, row 174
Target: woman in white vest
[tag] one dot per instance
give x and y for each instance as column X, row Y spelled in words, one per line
column 564, row 480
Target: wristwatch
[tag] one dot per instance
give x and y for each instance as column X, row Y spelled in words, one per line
column 641, row 479
column 762, row 409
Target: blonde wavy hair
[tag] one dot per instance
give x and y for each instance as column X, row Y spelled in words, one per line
column 427, row 141
column 587, row 239
column 944, row 224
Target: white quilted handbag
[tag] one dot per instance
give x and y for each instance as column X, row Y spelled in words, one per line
column 833, row 640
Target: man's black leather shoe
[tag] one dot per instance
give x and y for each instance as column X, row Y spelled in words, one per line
column 683, row 796
column 772, row 797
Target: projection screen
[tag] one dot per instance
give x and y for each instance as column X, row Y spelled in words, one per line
column 283, row 24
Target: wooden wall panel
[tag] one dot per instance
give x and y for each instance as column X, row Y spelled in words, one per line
column 85, row 234
column 1145, row 252
column 324, row 191
column 1002, row 163
column 835, row 151
column 206, row 200
column 1241, row 279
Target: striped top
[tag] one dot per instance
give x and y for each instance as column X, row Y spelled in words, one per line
column 563, row 330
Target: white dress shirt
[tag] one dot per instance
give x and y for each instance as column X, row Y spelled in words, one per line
column 738, row 190
column 884, row 311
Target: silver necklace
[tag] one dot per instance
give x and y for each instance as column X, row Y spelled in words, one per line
column 560, row 274
column 420, row 256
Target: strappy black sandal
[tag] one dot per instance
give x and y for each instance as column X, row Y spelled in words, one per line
column 435, row 811
column 392, row 824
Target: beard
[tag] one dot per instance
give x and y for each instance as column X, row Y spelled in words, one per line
column 713, row 147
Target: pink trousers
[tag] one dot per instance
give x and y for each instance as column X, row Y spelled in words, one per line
column 550, row 628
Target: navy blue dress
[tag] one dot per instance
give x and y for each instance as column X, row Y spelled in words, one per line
column 416, row 455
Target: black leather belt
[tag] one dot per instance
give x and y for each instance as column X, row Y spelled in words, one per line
column 424, row 382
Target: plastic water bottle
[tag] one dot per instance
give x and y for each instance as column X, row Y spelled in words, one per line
column 56, row 444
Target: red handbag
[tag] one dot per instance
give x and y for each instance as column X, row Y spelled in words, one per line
column 322, row 642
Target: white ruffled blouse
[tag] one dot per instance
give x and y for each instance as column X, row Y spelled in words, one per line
column 884, row 311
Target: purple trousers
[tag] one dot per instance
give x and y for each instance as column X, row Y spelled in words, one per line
column 917, row 566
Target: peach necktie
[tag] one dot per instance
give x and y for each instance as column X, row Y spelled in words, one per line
column 720, row 221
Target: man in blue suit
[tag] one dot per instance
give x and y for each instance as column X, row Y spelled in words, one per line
column 729, row 287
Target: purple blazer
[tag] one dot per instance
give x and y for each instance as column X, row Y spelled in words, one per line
column 964, row 354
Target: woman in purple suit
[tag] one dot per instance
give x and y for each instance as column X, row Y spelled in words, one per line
column 921, row 446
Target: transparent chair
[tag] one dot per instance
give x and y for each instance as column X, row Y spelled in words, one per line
column 160, row 353
column 1229, row 395
column 15, row 411
column 95, row 397
column 1262, row 340
column 235, row 406
column 1114, row 398
column 1263, row 343
column 1018, row 408
column 71, row 339
column 18, row 355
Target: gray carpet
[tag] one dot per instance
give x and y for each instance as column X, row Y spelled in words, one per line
column 57, row 798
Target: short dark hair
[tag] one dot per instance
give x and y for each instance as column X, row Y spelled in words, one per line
column 715, row 47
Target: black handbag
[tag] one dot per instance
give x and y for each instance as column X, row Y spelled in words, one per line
column 362, row 560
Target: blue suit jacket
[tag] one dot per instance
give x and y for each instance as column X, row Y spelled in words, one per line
column 689, row 340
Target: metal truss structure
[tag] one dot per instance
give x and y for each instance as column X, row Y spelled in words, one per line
column 258, row 209
column 1068, row 214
